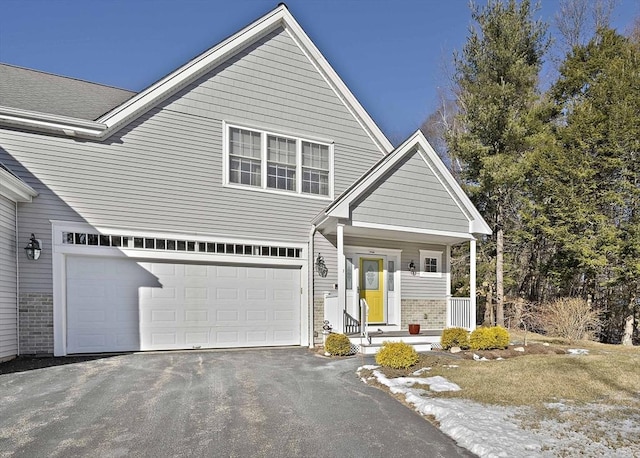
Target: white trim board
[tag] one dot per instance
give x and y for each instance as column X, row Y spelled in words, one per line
column 131, row 109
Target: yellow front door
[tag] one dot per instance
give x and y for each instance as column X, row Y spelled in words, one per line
column 371, row 287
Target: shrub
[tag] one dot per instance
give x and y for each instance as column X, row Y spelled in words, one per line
column 570, row 318
column 397, row 355
column 489, row 338
column 338, row 345
column 454, row 337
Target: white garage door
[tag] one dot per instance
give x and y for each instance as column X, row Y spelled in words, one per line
column 122, row 305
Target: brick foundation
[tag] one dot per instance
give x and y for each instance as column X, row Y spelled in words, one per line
column 413, row 311
column 36, row 323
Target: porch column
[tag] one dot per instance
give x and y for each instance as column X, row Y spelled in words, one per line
column 342, row 291
column 448, row 285
column 472, row 284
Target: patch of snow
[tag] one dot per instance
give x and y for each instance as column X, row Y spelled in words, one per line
column 451, row 366
column 495, row 431
column 367, row 367
column 478, row 358
column 420, row 371
column 578, row 351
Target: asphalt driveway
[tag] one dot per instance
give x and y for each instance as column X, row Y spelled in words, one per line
column 271, row 403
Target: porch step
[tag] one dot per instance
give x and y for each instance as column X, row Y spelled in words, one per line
column 421, row 342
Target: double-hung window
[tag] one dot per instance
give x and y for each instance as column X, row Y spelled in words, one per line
column 281, row 163
column 269, row 161
column 245, row 157
column 315, row 169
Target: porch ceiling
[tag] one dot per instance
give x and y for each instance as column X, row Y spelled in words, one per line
column 329, row 226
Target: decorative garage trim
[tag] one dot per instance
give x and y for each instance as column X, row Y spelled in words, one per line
column 82, row 239
column 175, row 244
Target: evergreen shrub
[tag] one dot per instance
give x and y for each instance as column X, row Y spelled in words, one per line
column 489, row 338
column 338, row 345
column 454, row 337
column 397, row 355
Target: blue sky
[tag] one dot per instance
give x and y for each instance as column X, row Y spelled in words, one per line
column 391, row 54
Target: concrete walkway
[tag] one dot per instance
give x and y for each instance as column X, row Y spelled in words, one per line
column 258, row 403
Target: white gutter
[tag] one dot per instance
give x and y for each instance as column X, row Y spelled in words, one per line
column 58, row 124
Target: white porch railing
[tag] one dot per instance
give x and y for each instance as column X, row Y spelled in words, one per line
column 364, row 318
column 460, row 313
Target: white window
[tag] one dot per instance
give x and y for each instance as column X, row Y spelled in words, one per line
column 244, row 157
column 264, row 160
column 430, row 263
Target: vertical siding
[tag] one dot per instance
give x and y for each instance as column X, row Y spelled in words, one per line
column 8, row 290
column 426, row 203
column 164, row 171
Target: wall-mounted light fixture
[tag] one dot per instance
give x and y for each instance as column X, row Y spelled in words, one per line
column 321, row 267
column 33, row 248
column 412, row 267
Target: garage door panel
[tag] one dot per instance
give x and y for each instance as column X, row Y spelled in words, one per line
column 121, row 305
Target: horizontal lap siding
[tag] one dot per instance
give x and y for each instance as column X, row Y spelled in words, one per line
column 327, row 248
column 413, row 286
column 164, row 171
column 426, row 202
column 8, row 324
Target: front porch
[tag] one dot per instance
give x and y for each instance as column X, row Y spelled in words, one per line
column 368, row 338
column 382, row 251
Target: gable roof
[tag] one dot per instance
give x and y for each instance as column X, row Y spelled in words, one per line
column 341, row 207
column 129, row 110
column 33, row 90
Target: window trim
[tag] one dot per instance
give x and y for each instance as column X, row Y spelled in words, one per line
column 227, row 126
column 431, row 254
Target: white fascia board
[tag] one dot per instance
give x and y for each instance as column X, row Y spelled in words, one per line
column 340, row 209
column 193, row 69
column 413, row 230
column 477, row 225
column 126, row 112
column 334, row 80
column 13, row 188
column 58, row 124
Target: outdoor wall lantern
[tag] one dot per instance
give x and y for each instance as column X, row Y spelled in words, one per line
column 33, row 248
column 321, row 267
column 412, row 267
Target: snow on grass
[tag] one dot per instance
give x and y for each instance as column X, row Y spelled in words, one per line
column 495, row 431
column 578, row 351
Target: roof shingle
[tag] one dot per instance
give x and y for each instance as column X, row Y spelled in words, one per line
column 34, row 90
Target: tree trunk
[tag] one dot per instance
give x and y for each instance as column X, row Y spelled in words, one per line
column 488, row 309
column 628, row 331
column 500, row 275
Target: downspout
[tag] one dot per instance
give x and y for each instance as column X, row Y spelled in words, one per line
column 310, row 293
column 17, row 284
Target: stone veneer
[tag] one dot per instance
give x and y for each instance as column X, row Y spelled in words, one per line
column 36, row 323
column 318, row 318
column 413, row 311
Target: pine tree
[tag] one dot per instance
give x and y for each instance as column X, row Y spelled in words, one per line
column 496, row 86
column 598, row 95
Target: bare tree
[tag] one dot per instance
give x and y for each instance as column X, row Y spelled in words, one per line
column 579, row 20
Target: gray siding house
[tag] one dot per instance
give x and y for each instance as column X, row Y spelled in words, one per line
column 239, row 201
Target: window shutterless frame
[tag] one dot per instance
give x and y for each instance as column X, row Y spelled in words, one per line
column 269, row 161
